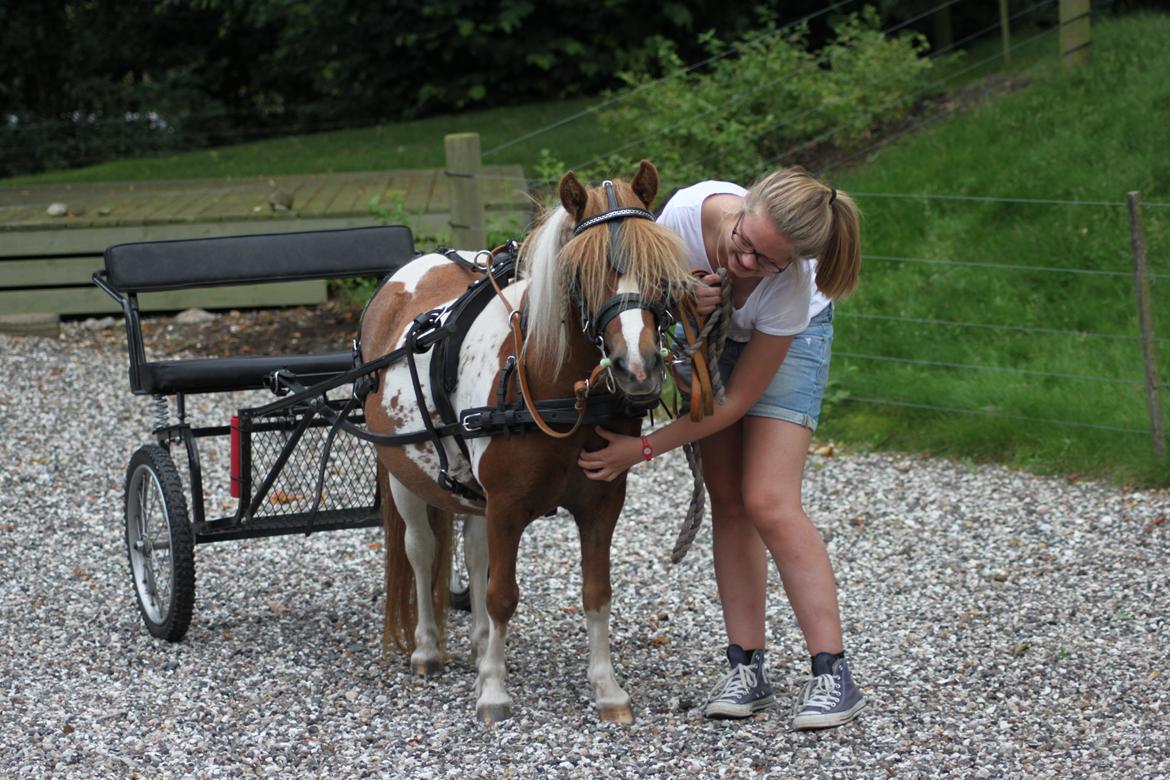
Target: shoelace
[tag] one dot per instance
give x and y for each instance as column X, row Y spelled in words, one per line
column 735, row 683
column 821, row 693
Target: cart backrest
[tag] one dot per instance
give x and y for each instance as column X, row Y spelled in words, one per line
column 157, row 266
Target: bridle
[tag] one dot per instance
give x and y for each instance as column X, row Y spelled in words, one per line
column 594, row 325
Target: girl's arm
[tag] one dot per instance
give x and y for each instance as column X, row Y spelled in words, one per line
column 755, row 368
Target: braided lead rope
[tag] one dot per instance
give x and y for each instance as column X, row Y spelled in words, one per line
column 694, row 519
column 715, row 333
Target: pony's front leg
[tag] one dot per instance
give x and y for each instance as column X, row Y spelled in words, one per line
column 613, row 703
column 503, row 530
column 475, row 554
column 426, row 659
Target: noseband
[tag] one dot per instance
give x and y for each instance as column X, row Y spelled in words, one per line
column 594, row 326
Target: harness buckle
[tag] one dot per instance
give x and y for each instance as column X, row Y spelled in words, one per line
column 472, row 423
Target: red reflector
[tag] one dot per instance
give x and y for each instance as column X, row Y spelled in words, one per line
column 235, row 456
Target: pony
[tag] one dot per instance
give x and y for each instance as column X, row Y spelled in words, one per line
column 593, row 279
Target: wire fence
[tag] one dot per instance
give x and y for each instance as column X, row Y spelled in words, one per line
column 897, row 333
column 920, row 353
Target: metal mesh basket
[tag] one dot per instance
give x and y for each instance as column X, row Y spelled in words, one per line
column 350, row 472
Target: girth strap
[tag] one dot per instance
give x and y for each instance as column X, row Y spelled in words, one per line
column 515, row 418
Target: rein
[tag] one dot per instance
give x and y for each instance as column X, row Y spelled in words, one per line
column 592, row 326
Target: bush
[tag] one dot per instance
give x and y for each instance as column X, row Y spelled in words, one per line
column 768, row 99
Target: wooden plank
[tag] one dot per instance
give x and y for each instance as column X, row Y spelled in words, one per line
column 414, row 187
column 239, row 204
column 20, row 243
column 48, row 273
column 323, row 199
column 358, row 201
column 91, row 300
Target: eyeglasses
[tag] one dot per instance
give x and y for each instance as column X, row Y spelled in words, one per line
column 744, row 246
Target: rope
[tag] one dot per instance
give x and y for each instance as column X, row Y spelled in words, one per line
column 694, row 518
column 714, row 335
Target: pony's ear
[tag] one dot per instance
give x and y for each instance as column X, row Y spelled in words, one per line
column 573, row 195
column 645, row 182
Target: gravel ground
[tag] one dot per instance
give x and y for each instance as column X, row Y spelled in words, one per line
column 1003, row 625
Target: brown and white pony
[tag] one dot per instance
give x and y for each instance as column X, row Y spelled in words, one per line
column 564, row 279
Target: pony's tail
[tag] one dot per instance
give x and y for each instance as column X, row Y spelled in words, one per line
column 400, row 615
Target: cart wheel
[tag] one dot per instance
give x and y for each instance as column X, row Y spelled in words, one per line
column 159, row 543
column 460, row 597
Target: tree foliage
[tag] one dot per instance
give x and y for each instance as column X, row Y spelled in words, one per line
column 771, row 99
column 84, row 80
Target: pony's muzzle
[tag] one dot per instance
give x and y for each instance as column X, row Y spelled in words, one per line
column 640, row 378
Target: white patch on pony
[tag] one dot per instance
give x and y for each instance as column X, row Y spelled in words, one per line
column 420, row 551
column 479, row 361
column 632, row 326
column 399, row 397
column 608, row 694
column 413, row 272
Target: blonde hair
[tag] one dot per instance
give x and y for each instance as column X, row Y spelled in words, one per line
column 819, row 221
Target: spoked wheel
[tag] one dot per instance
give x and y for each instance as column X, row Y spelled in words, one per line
column 460, row 585
column 159, row 543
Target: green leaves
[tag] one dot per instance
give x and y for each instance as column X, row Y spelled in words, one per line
column 770, row 101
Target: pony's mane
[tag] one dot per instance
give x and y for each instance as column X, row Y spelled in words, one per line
column 552, row 259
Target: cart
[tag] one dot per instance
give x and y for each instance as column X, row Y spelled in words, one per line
column 290, row 473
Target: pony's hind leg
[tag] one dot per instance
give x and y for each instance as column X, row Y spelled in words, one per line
column 613, row 703
column 475, row 555
column 426, row 659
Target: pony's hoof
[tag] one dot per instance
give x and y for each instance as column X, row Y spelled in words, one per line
column 619, row 713
column 428, row 668
column 487, row 714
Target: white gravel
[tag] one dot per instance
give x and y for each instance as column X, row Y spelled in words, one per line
column 1003, row 625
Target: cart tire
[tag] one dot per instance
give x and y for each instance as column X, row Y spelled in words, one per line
column 460, row 588
column 461, row 598
column 159, row 543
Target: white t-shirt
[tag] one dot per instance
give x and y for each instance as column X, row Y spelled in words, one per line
column 781, row 305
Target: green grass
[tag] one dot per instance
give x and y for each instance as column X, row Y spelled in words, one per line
column 415, row 144
column 1093, row 134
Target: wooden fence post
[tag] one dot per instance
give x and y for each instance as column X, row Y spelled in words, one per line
column 944, row 36
column 1005, row 31
column 1146, row 323
column 1076, row 34
column 463, row 164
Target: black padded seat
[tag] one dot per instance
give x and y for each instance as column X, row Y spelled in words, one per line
column 274, row 257
column 218, row 375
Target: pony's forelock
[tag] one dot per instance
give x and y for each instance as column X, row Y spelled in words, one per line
column 554, row 260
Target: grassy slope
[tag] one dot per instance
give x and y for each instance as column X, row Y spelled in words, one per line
column 1092, row 135
column 414, row 144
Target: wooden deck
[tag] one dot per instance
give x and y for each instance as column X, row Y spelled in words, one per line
column 46, row 262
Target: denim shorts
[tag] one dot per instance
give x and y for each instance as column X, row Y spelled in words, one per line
column 795, row 392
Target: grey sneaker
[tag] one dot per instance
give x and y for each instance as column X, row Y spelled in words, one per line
column 828, row 700
column 743, row 690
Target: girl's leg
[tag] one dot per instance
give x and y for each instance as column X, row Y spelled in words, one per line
column 773, row 458
column 741, row 566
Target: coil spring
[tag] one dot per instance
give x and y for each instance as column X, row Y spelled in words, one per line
column 162, row 412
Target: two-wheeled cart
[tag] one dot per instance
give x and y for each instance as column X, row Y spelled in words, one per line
column 289, row 472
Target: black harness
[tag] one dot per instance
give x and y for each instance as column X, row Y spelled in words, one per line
column 431, row 330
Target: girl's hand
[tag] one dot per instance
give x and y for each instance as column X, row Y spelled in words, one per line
column 612, row 460
column 708, row 296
